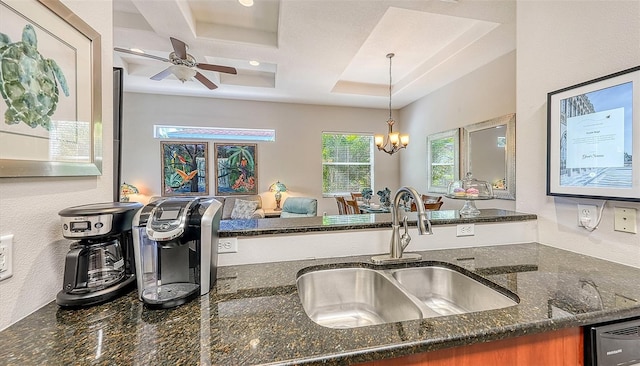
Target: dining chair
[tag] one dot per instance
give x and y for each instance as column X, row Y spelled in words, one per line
column 355, row 195
column 431, row 206
column 352, row 207
column 342, row 205
column 430, row 199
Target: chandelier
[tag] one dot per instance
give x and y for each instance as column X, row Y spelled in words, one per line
column 394, row 141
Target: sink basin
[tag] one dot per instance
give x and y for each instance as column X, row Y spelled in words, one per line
column 447, row 292
column 355, row 296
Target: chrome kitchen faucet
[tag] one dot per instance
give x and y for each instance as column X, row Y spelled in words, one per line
column 400, row 242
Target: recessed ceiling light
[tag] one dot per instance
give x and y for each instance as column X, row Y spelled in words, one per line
column 246, row 3
column 254, row 63
column 137, row 50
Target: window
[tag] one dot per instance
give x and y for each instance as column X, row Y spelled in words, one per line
column 213, row 133
column 442, row 160
column 347, row 163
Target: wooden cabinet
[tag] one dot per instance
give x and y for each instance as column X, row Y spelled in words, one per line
column 559, row 348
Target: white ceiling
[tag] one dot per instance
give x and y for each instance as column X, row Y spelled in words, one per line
column 329, row 52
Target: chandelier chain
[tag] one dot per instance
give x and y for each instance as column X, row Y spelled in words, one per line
column 390, row 56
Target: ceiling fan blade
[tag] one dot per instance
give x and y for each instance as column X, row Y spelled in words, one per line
column 179, row 47
column 162, row 74
column 218, row 68
column 206, row 82
column 124, row 50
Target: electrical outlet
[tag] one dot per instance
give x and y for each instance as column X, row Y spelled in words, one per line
column 6, row 257
column 625, row 220
column 228, row 245
column 587, row 215
column 465, row 230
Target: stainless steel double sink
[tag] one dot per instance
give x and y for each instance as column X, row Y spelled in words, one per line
column 358, row 296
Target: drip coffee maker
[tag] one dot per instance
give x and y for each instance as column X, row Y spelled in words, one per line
column 99, row 265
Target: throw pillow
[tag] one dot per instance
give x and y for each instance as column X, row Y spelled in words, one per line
column 243, row 209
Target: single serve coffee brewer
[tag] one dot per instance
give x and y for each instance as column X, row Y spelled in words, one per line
column 176, row 249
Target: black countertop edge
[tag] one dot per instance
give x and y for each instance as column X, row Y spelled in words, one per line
column 277, row 226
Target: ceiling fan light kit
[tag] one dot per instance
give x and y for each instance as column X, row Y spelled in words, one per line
column 183, row 73
column 394, row 141
column 183, row 64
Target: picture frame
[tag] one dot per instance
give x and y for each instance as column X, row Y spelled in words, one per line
column 236, row 167
column 64, row 136
column 184, row 168
column 443, row 160
column 593, row 132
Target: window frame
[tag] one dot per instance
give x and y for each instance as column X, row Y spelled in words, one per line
column 371, row 162
column 215, row 133
column 432, row 139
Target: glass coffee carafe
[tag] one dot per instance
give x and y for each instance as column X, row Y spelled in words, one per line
column 105, row 264
column 97, row 264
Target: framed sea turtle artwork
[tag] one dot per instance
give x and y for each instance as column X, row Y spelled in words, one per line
column 236, row 167
column 50, row 86
column 184, row 168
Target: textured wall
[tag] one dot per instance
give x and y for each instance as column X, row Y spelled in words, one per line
column 485, row 93
column 29, row 206
column 294, row 158
column 563, row 43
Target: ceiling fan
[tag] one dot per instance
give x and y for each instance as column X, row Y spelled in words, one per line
column 183, row 64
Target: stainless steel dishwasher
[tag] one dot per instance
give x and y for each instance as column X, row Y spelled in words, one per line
column 613, row 344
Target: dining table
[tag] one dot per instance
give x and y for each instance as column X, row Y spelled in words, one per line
column 367, row 209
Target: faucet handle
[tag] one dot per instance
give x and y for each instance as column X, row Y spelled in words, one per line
column 425, row 218
column 405, row 238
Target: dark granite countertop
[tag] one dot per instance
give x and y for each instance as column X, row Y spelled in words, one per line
column 254, row 316
column 271, row 226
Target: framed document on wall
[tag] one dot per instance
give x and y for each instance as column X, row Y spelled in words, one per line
column 593, row 132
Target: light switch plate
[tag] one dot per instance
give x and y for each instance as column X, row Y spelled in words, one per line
column 625, row 220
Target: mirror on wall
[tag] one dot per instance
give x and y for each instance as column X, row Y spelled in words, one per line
column 442, row 160
column 488, row 150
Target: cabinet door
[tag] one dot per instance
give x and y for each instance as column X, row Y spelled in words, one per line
column 558, row 348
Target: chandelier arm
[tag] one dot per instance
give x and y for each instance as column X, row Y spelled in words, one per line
column 393, row 142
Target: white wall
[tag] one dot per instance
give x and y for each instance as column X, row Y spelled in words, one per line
column 289, row 247
column 29, row 206
column 563, row 43
column 294, row 158
column 486, row 93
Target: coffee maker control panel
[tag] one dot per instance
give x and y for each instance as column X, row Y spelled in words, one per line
column 86, row 226
column 168, row 220
column 165, row 224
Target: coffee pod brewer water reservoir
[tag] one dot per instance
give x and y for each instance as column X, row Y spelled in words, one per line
column 176, row 249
